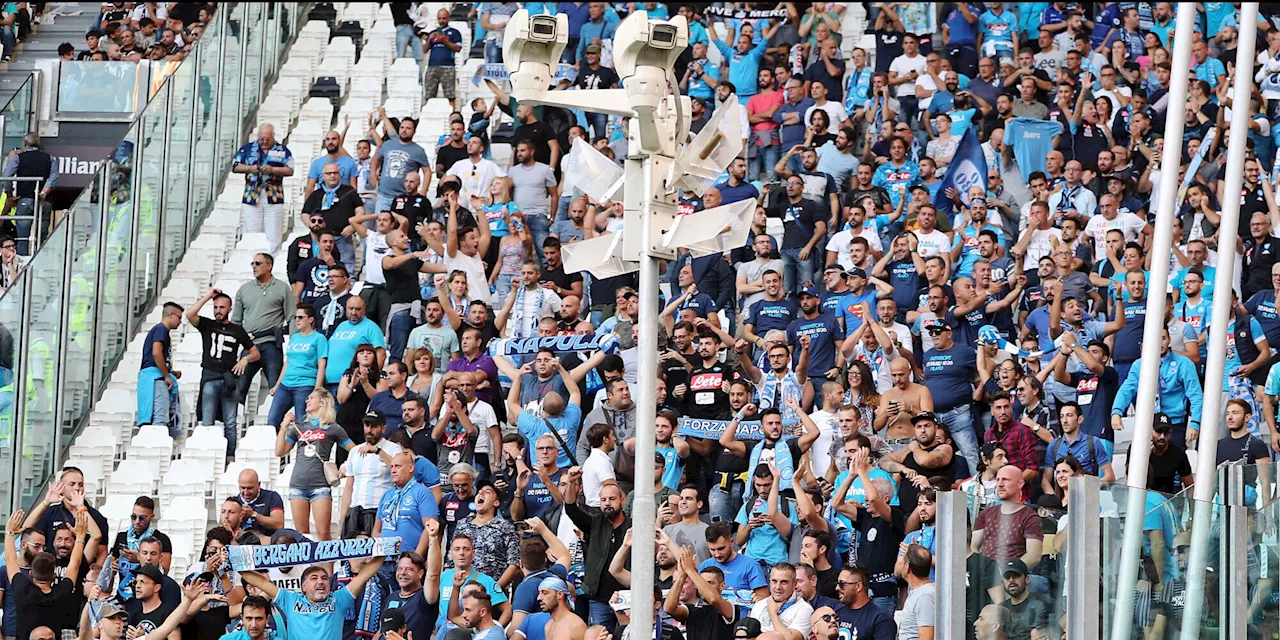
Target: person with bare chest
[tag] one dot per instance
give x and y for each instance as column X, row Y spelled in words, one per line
column 898, row 404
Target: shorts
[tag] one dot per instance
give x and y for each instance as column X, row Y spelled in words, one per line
column 310, row 495
column 445, row 77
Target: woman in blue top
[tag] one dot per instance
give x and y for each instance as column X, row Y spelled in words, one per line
column 315, row 436
column 304, row 361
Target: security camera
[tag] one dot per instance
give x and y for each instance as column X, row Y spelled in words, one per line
column 531, row 49
column 644, row 53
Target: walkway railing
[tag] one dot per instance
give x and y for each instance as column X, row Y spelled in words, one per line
column 70, row 316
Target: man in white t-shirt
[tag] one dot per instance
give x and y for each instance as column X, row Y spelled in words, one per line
column 1038, row 239
column 931, row 241
column 903, row 73
column 465, row 253
column 475, row 172
column 598, row 467
column 783, row 610
column 1111, row 218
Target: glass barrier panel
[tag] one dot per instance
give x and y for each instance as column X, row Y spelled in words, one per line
column 253, row 51
column 111, row 87
column 44, row 332
column 1264, row 593
column 205, row 163
column 17, row 116
column 114, row 318
column 77, row 386
column 178, row 172
column 12, row 355
column 150, row 186
column 272, row 55
column 231, row 126
column 1160, row 595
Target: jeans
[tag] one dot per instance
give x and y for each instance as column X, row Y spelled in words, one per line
column 601, row 613
column 160, row 406
column 1060, row 392
column 264, row 218
column 562, row 208
column 346, row 253
column 599, row 124
column 761, row 164
column 405, row 39
column 795, row 270
column 271, row 361
column 540, row 227
column 9, row 40
column 281, row 401
column 960, row 421
column 382, row 204
column 493, row 51
column 887, row 604
column 215, row 396
column 398, row 328
column 502, row 286
column 311, row 495
column 724, row 505
column 27, row 230
column 910, row 109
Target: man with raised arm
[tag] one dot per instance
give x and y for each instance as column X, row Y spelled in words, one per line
column 316, row 612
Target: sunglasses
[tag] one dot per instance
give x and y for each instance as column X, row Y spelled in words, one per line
column 257, row 263
column 138, row 517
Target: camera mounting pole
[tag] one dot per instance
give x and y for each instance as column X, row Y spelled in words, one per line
column 659, row 164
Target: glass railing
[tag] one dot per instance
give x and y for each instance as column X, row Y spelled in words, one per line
column 69, row 316
column 101, row 88
column 18, row 115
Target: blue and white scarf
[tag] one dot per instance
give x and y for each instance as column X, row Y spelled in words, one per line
column 781, row 459
column 392, row 514
column 517, row 312
column 330, row 195
column 988, row 334
column 786, row 388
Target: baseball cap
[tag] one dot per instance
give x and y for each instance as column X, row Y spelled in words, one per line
column 375, row 416
column 1015, row 565
column 937, row 325
column 593, row 48
column 856, row 272
column 1006, row 60
column 392, row 620
column 924, row 415
column 1162, row 423
column 151, row 571
column 750, row 625
column 111, row 609
column 658, row 458
column 808, row 291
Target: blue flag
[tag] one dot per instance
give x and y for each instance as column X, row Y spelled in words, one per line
column 968, row 168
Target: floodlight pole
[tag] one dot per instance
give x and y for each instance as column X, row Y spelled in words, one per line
column 646, row 399
column 1153, row 329
column 1211, row 420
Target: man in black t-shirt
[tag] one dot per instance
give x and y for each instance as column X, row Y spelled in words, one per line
column 221, row 368
column 141, row 526
column 336, row 202
column 1169, row 470
column 804, row 224
column 415, row 207
column 546, row 148
column 710, row 617
column 146, row 610
column 1241, row 446
column 554, row 276
column 453, row 150
column 43, row 599
column 311, row 282
column 303, row 247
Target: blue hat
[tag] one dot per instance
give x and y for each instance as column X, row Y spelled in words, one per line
column 808, row 290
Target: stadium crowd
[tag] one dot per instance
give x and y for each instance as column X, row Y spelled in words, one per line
column 885, row 333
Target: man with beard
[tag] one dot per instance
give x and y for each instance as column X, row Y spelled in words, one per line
column 263, row 508
column 368, row 476
column 763, row 136
column 331, row 307
column 316, row 612
column 1028, row 610
column 556, row 619
column 43, row 599
column 706, row 394
column 782, row 611
column 1010, row 530
column 736, row 187
column 805, row 225
column 146, row 610
column 113, row 620
column 527, row 304
column 823, row 334
column 774, row 309
column 220, row 338
column 779, row 384
column 32, row 542
column 572, row 229
column 786, row 457
column 414, row 205
column 454, row 150
column 311, row 280
column 333, row 154
column 709, row 616
column 964, row 251
column 473, row 359
column 926, row 456
column 410, row 597
column 61, row 503
column 396, row 159
column 127, row 544
column 857, row 616
column 305, row 246
column 434, row 337
column 603, row 534
column 836, row 159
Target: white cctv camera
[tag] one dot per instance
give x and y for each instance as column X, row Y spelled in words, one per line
column 531, row 49
column 644, row 53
